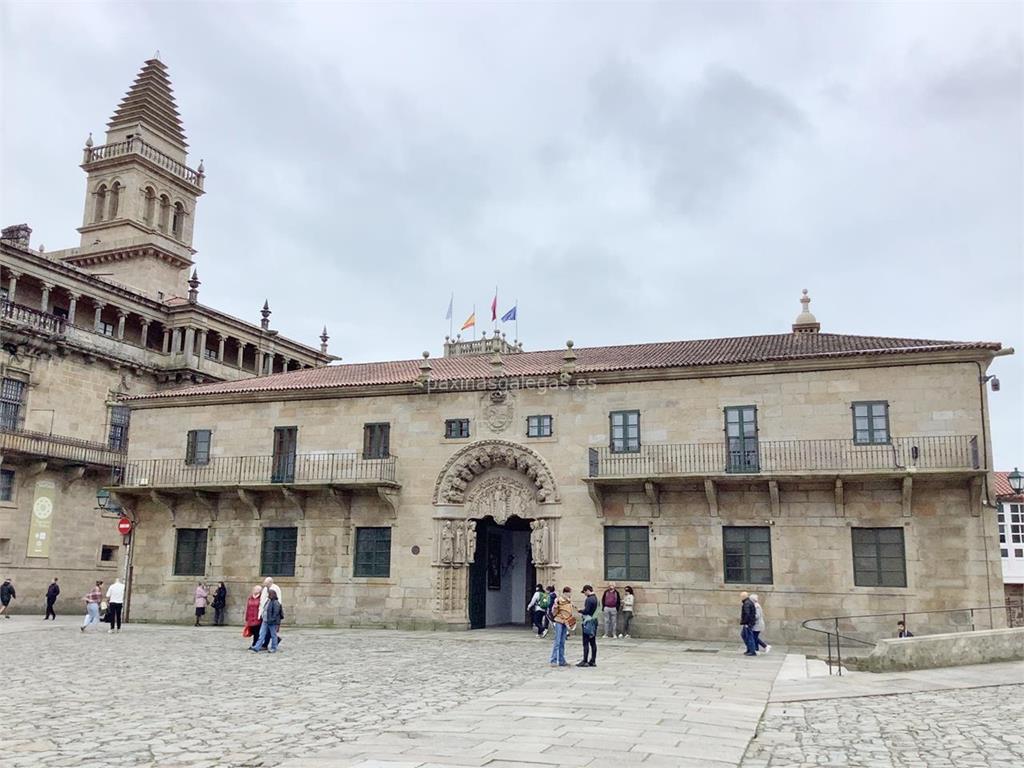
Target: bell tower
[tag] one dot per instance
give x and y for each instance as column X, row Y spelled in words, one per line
column 141, row 194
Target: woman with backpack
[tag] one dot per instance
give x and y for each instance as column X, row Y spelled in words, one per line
column 538, row 607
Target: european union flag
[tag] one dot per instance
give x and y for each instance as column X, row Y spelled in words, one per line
column 510, row 315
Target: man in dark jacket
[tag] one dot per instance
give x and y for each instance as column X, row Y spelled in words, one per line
column 748, row 618
column 611, row 600
column 273, row 614
column 52, row 592
column 589, row 616
column 7, row 594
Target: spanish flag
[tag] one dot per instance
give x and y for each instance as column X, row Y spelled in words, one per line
column 470, row 322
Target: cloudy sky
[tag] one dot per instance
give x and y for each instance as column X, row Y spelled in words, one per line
column 628, row 172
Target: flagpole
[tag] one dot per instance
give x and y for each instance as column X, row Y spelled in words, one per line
column 516, row 305
column 474, row 322
column 494, row 314
column 451, row 317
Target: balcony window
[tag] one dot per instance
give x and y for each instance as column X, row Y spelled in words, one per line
column 6, row 484
column 12, row 392
column 456, row 428
column 624, row 431
column 190, row 552
column 278, row 556
column 627, row 555
column 879, row 557
column 376, row 441
column 117, row 439
column 870, row 422
column 210, row 354
column 539, row 426
column 104, row 328
column 285, row 446
column 373, row 552
column 747, row 552
column 741, row 439
column 197, row 446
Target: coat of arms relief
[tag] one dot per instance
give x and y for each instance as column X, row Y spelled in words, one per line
column 497, row 410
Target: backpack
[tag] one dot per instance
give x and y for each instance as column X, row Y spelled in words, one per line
column 544, row 601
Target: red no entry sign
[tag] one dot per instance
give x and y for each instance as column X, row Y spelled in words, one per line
column 124, row 526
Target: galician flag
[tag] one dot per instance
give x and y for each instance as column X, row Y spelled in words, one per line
column 470, row 322
column 509, row 316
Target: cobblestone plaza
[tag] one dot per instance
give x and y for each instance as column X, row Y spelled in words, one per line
column 174, row 696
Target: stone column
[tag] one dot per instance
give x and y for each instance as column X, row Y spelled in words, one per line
column 144, row 336
column 167, row 340
column 72, row 306
column 44, row 302
column 201, row 347
column 190, row 344
column 96, row 315
column 175, row 340
column 121, row 316
column 220, row 347
column 241, row 352
column 12, row 286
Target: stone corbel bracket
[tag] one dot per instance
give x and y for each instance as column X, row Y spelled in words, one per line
column 840, row 498
column 297, row 499
column 908, row 494
column 711, row 492
column 653, row 492
column 209, row 501
column 390, row 497
column 596, row 496
column 773, row 494
column 251, row 502
column 71, row 476
column 165, row 501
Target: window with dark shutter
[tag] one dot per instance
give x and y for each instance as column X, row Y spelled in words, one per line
column 627, row 554
column 117, row 440
column 190, row 552
column 747, row 553
column 278, row 555
column 624, row 431
column 879, row 557
column 197, row 448
column 11, row 393
column 456, row 428
column 376, row 441
column 373, row 552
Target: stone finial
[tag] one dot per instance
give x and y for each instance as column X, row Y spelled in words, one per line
column 88, row 141
column 265, row 315
column 806, row 322
column 157, row 54
column 324, row 338
column 42, row 248
column 201, row 170
column 425, row 368
column 193, row 287
column 569, row 360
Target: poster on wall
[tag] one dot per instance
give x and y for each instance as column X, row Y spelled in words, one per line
column 41, row 526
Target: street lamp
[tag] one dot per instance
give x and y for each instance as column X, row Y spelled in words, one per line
column 1016, row 480
column 103, row 498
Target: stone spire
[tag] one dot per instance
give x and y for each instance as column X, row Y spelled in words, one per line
column 324, row 338
column 193, row 287
column 150, row 101
column 265, row 315
column 806, row 322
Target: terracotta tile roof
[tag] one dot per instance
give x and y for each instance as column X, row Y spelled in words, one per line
column 672, row 354
column 1003, row 490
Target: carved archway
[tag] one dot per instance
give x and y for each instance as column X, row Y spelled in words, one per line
column 479, row 457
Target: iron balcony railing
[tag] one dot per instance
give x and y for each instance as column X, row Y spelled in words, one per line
column 926, row 452
column 140, row 147
column 22, row 315
column 49, row 446
column 302, row 469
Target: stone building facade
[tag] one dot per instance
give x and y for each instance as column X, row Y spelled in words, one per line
column 833, row 474
column 85, row 327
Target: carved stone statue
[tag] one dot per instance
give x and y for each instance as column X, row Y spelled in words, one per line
column 471, row 541
column 460, row 544
column 538, row 541
column 500, row 498
column 447, row 542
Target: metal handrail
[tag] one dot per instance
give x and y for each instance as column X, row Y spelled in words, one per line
column 839, row 637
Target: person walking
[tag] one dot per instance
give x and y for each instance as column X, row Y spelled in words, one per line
column 52, row 592
column 273, row 614
column 589, row 616
column 759, row 625
column 115, row 602
column 628, row 601
column 201, row 595
column 92, row 606
column 220, row 602
column 563, row 621
column 748, row 617
column 549, row 614
column 538, row 607
column 7, row 594
column 252, row 616
column 611, row 600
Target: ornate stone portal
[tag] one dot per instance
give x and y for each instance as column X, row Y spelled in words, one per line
column 497, row 479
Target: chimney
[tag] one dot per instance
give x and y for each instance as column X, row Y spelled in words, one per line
column 19, row 235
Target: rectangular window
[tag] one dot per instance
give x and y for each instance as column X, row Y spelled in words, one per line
column 197, row 446
column 376, row 441
column 190, row 552
column 373, row 552
column 742, row 453
column 879, row 558
column 747, row 551
column 538, row 426
column 278, row 557
column 120, row 416
column 627, row 555
column 286, row 440
column 624, row 431
column 870, row 422
column 1011, row 529
column 456, row 428
column 210, row 354
column 11, row 393
column 6, row 484
column 106, row 329
column 108, row 553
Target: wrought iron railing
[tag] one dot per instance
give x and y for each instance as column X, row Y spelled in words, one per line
column 43, row 321
column 924, row 452
column 872, row 627
column 309, row 469
column 50, row 446
column 140, row 147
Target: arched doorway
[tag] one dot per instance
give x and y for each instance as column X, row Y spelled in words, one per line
column 502, row 573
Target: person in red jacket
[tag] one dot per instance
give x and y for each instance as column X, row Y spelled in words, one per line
column 252, row 614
